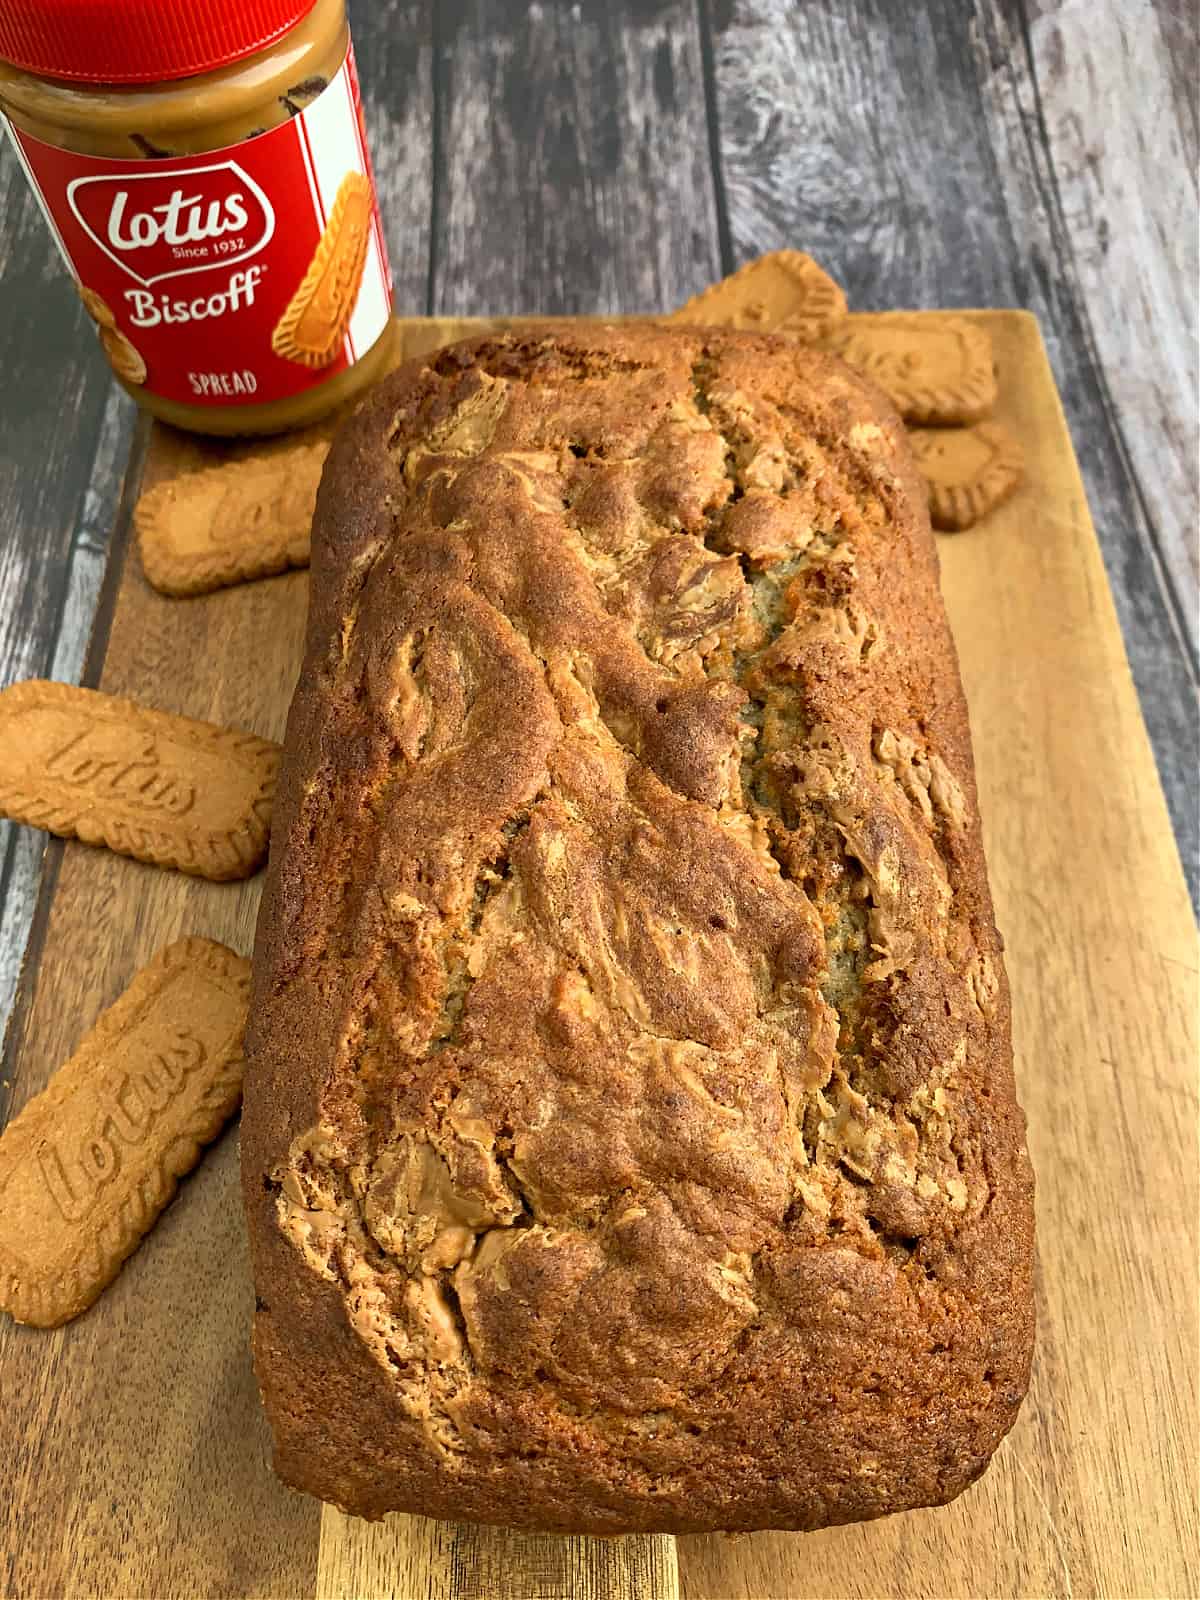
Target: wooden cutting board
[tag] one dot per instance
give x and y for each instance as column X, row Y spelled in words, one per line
column 134, row 1459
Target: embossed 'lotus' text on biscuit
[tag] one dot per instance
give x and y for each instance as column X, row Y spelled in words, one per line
column 967, row 471
column 85, row 762
column 162, row 788
column 77, row 1170
column 88, row 1165
column 232, row 522
column 784, row 291
column 935, row 370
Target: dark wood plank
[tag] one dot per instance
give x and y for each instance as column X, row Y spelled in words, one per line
column 52, row 403
column 393, row 46
column 65, row 447
column 599, row 164
column 65, row 430
column 1178, row 23
column 913, row 162
column 24, row 851
column 572, row 165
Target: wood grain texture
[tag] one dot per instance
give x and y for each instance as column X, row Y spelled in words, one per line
column 913, row 162
column 1128, row 190
column 22, row 850
column 174, row 1443
column 572, row 171
column 420, row 1559
column 394, row 52
column 1089, row 1496
column 944, row 160
column 66, row 429
column 65, row 435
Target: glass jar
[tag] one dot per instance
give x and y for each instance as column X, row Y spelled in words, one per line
column 204, row 169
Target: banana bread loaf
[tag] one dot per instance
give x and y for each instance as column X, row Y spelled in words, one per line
column 630, row 1138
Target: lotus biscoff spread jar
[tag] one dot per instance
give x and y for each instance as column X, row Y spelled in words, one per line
column 203, row 167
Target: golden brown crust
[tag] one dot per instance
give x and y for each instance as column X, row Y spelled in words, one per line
column 630, row 1134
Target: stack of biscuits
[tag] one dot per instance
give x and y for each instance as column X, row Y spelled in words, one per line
column 937, row 370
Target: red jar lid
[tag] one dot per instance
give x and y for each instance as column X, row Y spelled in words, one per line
column 139, row 41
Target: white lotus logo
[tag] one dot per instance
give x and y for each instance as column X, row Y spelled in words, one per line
column 158, row 225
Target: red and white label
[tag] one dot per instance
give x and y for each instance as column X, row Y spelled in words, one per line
column 203, row 264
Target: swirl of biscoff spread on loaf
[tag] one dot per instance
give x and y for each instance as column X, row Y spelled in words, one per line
column 652, row 982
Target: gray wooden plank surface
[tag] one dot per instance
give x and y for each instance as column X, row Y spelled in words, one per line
column 572, row 160
column 562, row 157
column 65, row 433
column 394, row 53
column 22, row 850
column 1127, row 187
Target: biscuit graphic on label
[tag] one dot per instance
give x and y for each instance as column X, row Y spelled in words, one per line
column 312, row 327
column 935, row 370
column 232, row 522
column 96, row 307
column 124, row 357
column 161, row 788
column 89, row 1164
column 968, row 471
column 782, row 292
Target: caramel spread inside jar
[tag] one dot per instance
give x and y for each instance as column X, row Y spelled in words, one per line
column 244, row 294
